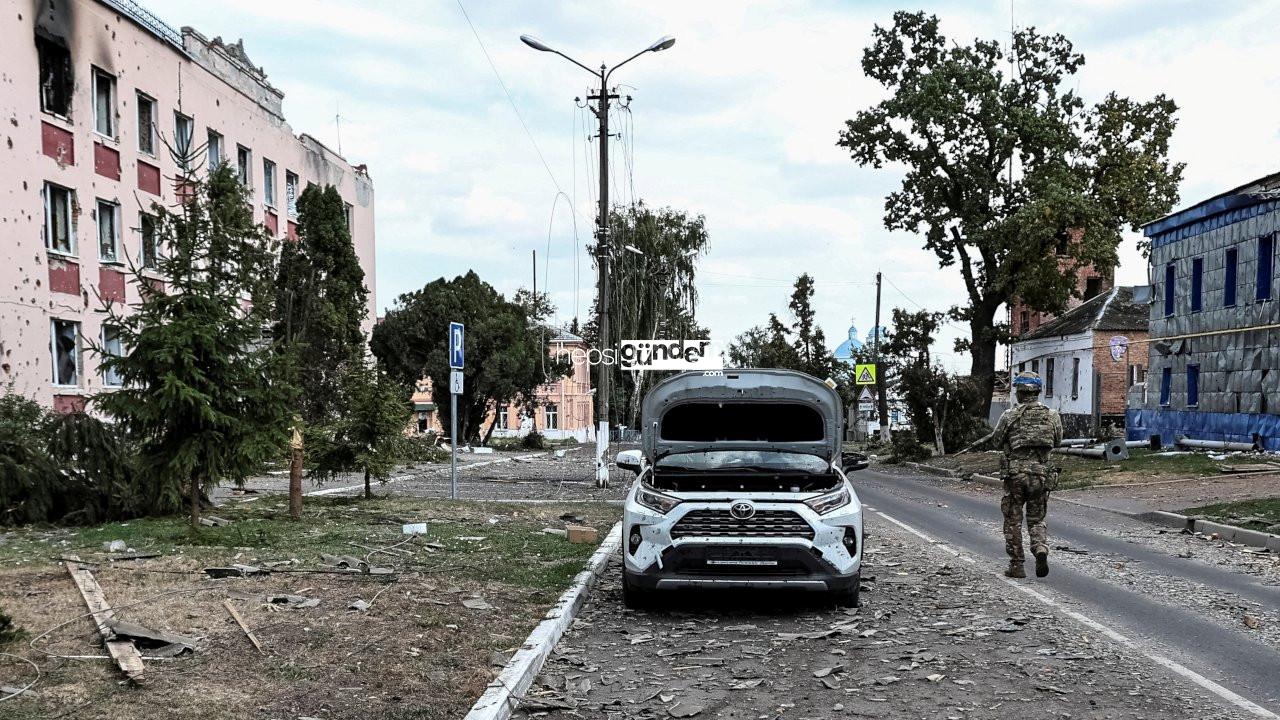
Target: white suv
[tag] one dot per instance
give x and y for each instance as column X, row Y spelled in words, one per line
column 739, row 483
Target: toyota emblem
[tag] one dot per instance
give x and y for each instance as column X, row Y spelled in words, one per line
column 742, row 509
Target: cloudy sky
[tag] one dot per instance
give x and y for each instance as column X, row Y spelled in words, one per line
column 737, row 122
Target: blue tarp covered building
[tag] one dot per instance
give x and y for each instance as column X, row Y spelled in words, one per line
column 1214, row 362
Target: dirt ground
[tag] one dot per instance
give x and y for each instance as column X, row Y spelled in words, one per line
column 460, row 601
column 934, row 639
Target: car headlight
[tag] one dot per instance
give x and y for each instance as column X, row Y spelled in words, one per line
column 656, row 501
column 824, row 504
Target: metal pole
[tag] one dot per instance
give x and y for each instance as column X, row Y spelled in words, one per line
column 602, row 248
column 881, row 400
column 453, row 445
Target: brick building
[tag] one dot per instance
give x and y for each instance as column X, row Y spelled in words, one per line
column 1088, row 358
column 1090, row 282
column 1215, row 324
column 95, row 91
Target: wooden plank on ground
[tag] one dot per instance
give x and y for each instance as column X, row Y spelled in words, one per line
column 124, row 652
column 235, row 615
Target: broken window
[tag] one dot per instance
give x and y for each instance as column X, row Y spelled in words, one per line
column 1166, row 385
column 56, row 84
column 1231, row 261
column 551, row 415
column 1193, row 385
column 1170, row 275
column 57, row 219
column 108, row 231
column 268, row 183
column 1025, row 321
column 184, row 131
column 214, row 150
column 347, row 209
column 291, row 194
column 244, row 156
column 1197, row 284
column 150, row 244
column 111, row 347
column 1075, row 378
column 1092, row 286
column 104, row 103
column 1137, row 374
column 146, row 125
column 1266, row 250
column 66, row 352
column 1048, row 377
column 504, row 418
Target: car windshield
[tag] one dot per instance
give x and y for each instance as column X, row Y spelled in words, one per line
column 745, row 460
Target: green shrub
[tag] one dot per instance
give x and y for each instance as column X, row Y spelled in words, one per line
column 534, row 441
column 420, row 449
column 907, row 448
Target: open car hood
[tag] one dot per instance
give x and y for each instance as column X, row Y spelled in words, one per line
column 779, row 410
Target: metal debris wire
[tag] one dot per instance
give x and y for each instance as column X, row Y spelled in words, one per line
column 29, row 685
column 82, row 616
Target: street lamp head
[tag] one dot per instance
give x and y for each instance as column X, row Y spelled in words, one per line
column 662, row 43
column 535, row 43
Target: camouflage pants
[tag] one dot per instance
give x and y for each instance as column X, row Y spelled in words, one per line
column 1025, row 488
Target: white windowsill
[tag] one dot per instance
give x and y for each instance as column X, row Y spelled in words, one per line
column 62, row 255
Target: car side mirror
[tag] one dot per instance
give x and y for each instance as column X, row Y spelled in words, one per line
column 629, row 460
column 851, row 461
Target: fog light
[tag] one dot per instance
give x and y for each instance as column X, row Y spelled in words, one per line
column 851, row 541
column 633, row 540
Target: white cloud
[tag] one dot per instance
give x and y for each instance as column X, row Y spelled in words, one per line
column 737, row 122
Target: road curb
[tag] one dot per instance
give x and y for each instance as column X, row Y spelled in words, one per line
column 504, row 693
column 990, row 480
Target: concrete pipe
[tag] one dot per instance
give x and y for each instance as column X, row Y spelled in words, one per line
column 1110, row 451
column 1215, row 444
column 1077, row 442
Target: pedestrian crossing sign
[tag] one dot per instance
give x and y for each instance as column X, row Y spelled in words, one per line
column 864, row 374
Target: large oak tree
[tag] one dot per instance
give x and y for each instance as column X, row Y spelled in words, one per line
column 1008, row 173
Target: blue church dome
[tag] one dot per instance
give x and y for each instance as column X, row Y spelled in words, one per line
column 851, row 345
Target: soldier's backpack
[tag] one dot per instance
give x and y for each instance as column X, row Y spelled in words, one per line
column 1032, row 427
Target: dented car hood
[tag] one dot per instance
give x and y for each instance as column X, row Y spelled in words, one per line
column 751, row 391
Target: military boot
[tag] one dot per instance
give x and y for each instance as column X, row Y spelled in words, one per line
column 1042, row 562
column 1015, row 569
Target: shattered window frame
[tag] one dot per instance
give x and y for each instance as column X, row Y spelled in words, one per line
column 244, row 165
column 104, row 106
column 149, row 251
column 146, row 124
column 111, row 346
column 57, row 77
column 213, row 148
column 268, row 183
column 64, row 348
column 291, row 194
column 550, row 417
column 108, row 219
column 59, row 204
column 184, row 132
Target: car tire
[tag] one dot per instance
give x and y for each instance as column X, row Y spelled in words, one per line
column 849, row 597
column 634, row 598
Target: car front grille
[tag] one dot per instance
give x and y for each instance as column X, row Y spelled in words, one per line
column 719, row 523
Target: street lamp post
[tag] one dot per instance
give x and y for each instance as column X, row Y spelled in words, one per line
column 602, row 235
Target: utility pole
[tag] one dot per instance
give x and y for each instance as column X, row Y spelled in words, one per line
column 882, row 400
column 602, row 259
column 602, row 98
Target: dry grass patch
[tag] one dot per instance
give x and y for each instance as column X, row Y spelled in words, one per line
column 418, row 652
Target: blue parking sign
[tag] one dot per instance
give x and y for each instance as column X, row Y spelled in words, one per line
column 456, row 353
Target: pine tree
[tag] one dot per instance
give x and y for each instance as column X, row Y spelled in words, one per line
column 201, row 393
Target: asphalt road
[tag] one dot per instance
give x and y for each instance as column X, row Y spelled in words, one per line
column 1133, row 622
column 1158, row 613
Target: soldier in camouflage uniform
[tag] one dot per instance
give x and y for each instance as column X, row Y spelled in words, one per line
column 1025, row 434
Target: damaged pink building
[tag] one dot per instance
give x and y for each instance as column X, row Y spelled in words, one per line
column 94, row 93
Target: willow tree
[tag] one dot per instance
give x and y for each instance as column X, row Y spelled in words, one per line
column 652, row 293
column 1009, row 174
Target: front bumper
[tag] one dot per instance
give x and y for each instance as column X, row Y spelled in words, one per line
column 821, row 564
